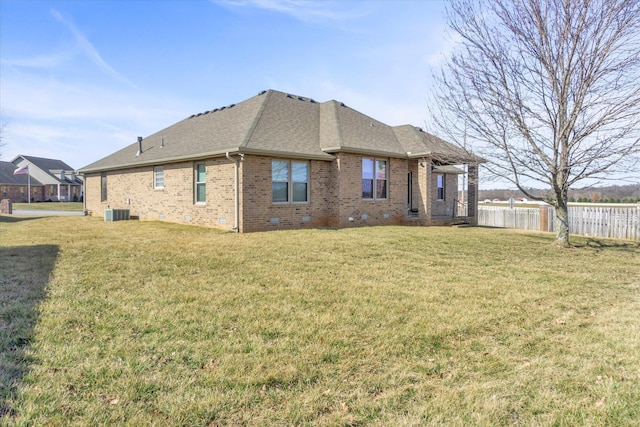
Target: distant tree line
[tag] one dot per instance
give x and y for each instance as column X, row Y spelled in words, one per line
column 609, row 194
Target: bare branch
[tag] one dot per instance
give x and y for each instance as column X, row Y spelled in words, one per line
column 548, row 91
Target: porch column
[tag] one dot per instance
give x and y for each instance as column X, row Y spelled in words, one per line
column 428, row 194
column 472, row 196
column 423, row 180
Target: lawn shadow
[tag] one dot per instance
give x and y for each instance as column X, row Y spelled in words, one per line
column 609, row 244
column 10, row 218
column 583, row 242
column 25, row 272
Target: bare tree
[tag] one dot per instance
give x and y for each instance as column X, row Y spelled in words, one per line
column 547, row 91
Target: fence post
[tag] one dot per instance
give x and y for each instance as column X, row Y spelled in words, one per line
column 544, row 218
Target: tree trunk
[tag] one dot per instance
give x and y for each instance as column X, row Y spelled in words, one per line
column 562, row 222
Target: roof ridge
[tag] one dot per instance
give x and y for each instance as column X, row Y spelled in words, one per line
column 252, row 129
column 39, row 158
column 415, row 134
column 395, row 135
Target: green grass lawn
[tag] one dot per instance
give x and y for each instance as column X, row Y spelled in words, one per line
column 49, row 206
column 143, row 323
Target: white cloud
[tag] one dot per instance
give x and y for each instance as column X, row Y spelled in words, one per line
column 89, row 50
column 39, row 61
column 58, row 107
column 309, row 11
column 78, row 123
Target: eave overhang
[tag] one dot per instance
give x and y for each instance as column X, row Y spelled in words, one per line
column 200, row 156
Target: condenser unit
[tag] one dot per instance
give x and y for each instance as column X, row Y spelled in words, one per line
column 116, row 214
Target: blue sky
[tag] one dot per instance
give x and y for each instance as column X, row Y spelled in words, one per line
column 82, row 79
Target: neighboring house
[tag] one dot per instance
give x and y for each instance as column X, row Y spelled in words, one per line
column 279, row 161
column 16, row 187
column 51, row 180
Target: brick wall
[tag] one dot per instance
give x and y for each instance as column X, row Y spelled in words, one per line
column 258, row 211
column 6, row 206
column 18, row 193
column 335, row 195
column 92, row 194
column 353, row 210
column 133, row 189
column 420, row 176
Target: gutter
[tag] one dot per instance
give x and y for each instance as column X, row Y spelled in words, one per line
column 84, row 196
column 236, row 195
column 366, row 151
column 218, row 153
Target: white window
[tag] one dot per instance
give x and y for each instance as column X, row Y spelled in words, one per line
column 201, row 183
column 289, row 181
column 440, row 182
column 374, row 179
column 158, row 177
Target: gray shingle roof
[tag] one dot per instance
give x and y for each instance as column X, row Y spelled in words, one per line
column 277, row 124
column 8, row 178
column 48, row 164
column 51, row 168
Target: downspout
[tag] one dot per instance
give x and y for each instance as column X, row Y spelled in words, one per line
column 236, row 192
column 84, row 199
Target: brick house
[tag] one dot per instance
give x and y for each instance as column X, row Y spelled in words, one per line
column 49, row 179
column 279, row 161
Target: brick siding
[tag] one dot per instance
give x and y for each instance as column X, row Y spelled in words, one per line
column 39, row 193
column 133, row 189
column 335, row 194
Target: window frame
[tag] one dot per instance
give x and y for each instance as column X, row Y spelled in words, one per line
column 441, row 190
column 198, row 184
column 158, row 178
column 103, row 187
column 291, row 182
column 375, row 180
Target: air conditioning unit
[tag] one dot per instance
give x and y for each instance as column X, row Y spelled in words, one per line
column 116, row 215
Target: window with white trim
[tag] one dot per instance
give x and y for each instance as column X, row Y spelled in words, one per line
column 289, row 181
column 158, row 177
column 375, row 179
column 201, row 183
column 440, row 179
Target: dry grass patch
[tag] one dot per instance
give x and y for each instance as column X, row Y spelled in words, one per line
column 153, row 323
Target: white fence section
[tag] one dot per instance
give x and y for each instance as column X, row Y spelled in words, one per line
column 600, row 221
column 502, row 216
column 618, row 222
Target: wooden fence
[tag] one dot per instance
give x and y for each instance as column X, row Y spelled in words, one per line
column 618, row 222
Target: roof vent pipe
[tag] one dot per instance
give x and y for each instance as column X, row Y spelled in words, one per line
column 139, row 146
